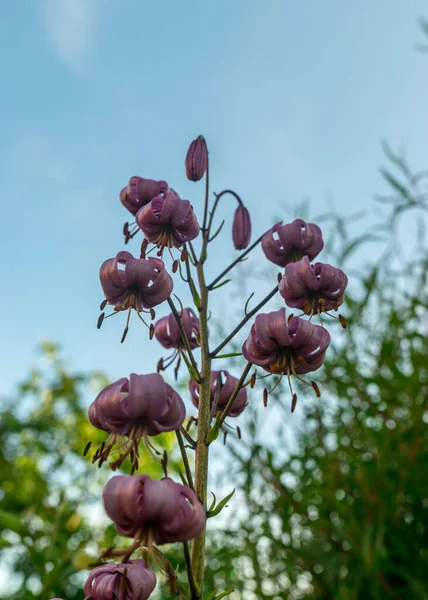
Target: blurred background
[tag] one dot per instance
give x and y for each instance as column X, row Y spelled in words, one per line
column 316, row 110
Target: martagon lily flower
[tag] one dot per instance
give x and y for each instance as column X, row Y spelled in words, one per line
column 286, row 348
column 227, row 386
column 139, row 283
column 168, row 221
column 134, row 408
column 131, row 580
column 313, row 288
column 141, row 191
column 283, row 244
column 159, row 511
column 168, row 335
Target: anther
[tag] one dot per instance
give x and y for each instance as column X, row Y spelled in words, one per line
column 293, row 403
column 86, row 450
column 100, row 320
column 103, row 304
column 253, row 380
column 343, row 321
column 125, row 331
column 279, row 277
column 238, row 433
column 316, row 388
column 265, row 397
column 175, row 266
column 151, row 331
column 126, row 228
column 183, row 256
column 159, row 368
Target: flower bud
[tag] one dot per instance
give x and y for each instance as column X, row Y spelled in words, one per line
column 241, row 228
column 196, row 159
column 131, row 580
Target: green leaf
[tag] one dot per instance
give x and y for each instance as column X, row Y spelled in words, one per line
column 230, row 355
column 219, row 285
column 217, row 510
column 10, row 521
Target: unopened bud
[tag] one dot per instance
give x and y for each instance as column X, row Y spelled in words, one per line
column 196, row 159
column 241, row 228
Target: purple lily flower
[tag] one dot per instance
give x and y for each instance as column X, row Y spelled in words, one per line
column 313, row 288
column 283, row 244
column 290, row 348
column 196, row 159
column 138, row 283
column 159, row 511
column 168, row 221
column 241, row 228
column 132, row 580
column 227, row 387
column 168, row 334
column 136, row 407
column 140, row 192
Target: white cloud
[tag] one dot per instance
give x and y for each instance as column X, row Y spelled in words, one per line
column 70, row 25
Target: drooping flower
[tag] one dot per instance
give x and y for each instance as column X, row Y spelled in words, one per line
column 241, row 228
column 135, row 408
column 284, row 244
column 159, row 511
column 291, row 348
column 141, row 191
column 196, row 159
column 227, row 387
column 313, row 288
column 168, row 221
column 168, row 334
column 131, row 580
column 138, row 283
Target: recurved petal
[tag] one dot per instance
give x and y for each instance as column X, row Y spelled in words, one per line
column 147, row 397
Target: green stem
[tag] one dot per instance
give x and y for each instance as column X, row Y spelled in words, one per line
column 244, row 320
column 201, row 452
column 235, row 262
column 190, row 576
column 185, row 459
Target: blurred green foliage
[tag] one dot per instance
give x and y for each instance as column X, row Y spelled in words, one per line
column 342, row 513
column 51, row 521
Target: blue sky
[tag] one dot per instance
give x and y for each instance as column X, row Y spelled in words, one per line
column 294, row 99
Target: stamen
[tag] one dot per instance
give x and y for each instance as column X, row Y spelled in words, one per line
column 100, row 320
column 279, row 277
column 86, row 450
column 151, row 331
column 343, row 321
column 175, row 266
column 184, row 255
column 238, row 433
column 103, row 304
